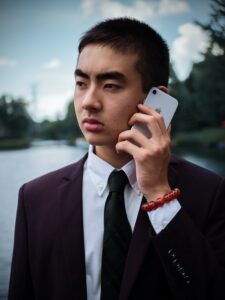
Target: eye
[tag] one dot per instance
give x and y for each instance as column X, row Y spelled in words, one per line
column 112, row 86
column 80, row 84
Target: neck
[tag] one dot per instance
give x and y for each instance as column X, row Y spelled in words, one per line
column 109, row 154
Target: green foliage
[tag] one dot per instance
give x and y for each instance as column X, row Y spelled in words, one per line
column 15, row 121
column 67, row 128
column 19, row 143
column 207, row 82
column 216, row 25
column 70, row 124
column 208, row 138
column 51, row 130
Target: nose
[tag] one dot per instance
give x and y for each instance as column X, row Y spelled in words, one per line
column 91, row 99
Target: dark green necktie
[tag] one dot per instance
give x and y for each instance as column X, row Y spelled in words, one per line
column 116, row 239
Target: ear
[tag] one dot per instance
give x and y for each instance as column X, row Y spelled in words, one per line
column 164, row 89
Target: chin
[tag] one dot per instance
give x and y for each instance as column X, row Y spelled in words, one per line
column 100, row 141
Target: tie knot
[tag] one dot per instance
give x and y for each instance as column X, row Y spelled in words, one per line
column 117, row 181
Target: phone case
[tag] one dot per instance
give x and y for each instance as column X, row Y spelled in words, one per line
column 161, row 102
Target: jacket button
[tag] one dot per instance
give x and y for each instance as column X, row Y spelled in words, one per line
column 170, row 252
column 174, row 261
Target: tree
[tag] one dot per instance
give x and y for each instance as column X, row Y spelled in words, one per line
column 67, row 128
column 15, row 122
column 216, row 25
column 70, row 124
column 207, row 79
column 202, row 94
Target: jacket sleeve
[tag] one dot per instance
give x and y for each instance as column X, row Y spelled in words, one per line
column 20, row 286
column 194, row 258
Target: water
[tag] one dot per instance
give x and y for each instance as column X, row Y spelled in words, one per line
column 17, row 167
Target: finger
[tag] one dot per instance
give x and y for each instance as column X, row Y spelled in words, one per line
column 150, row 121
column 146, row 109
column 134, row 136
column 126, row 146
column 150, row 111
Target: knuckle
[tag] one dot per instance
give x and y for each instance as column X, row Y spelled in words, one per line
column 167, row 142
column 123, row 135
column 160, row 117
column 125, row 143
column 120, row 136
column 164, row 149
column 144, row 156
column 151, row 119
column 120, row 145
column 134, row 132
column 135, row 116
column 158, row 151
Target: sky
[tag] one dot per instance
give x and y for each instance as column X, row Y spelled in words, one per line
column 39, row 39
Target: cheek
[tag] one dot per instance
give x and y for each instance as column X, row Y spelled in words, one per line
column 129, row 110
column 119, row 120
column 78, row 113
column 77, row 107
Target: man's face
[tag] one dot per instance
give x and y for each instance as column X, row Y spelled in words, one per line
column 108, row 89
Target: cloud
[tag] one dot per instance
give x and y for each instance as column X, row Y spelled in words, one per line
column 52, row 94
column 188, row 48
column 88, row 7
column 141, row 9
column 216, row 50
column 169, row 7
column 6, row 62
column 51, row 105
column 52, row 64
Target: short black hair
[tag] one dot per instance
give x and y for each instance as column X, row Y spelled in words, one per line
column 128, row 35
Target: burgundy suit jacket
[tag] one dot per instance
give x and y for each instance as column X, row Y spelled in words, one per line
column 186, row 260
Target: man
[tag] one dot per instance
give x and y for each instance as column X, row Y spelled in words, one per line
column 176, row 251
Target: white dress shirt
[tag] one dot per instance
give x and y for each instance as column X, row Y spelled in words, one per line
column 95, row 192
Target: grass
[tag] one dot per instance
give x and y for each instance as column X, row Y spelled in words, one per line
column 11, row 144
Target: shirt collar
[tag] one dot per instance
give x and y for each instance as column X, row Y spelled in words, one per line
column 130, row 171
column 99, row 171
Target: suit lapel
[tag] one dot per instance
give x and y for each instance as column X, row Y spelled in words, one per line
column 70, row 202
column 140, row 243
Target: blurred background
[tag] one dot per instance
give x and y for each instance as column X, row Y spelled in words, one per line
column 38, row 52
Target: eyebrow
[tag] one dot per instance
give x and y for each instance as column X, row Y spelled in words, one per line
column 113, row 75
column 79, row 72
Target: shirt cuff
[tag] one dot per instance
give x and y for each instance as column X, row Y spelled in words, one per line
column 161, row 216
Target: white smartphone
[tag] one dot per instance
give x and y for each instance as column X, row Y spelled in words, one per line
column 161, row 102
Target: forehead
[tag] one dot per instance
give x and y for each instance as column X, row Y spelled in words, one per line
column 97, row 59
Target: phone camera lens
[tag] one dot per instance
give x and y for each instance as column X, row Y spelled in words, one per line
column 154, row 92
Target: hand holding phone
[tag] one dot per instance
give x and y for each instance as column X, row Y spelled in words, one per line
column 161, row 102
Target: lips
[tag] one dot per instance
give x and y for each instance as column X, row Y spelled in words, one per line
column 93, row 125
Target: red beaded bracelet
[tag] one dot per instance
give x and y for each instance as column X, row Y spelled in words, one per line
column 171, row 195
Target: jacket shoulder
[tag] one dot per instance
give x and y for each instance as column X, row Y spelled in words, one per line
column 54, row 178
column 186, row 168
